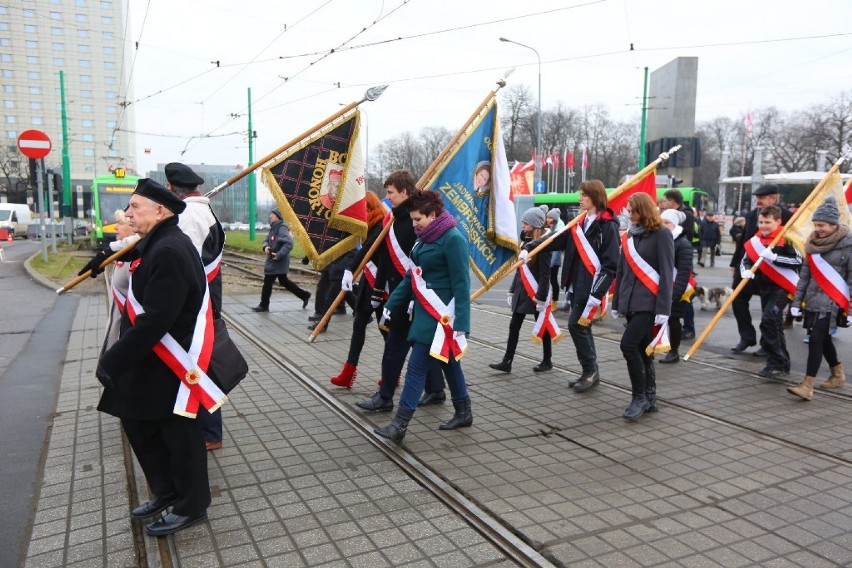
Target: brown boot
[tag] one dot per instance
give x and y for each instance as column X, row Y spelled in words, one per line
column 836, row 379
column 804, row 390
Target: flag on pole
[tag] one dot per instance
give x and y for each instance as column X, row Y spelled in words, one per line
column 556, row 160
column 646, row 184
column 534, row 158
column 799, row 231
column 320, row 187
column 565, row 159
column 475, row 185
column 571, row 159
column 748, row 124
column 549, row 159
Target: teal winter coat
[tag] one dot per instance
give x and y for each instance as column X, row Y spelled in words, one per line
column 445, row 270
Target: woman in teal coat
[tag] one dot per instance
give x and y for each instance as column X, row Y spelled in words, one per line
column 439, row 286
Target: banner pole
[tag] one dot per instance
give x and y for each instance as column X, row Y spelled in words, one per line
column 618, row 191
column 756, row 266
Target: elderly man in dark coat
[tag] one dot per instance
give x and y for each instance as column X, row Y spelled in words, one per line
column 277, row 246
column 167, row 292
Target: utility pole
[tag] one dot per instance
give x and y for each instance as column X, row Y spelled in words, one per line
column 66, row 162
column 641, row 163
column 252, row 198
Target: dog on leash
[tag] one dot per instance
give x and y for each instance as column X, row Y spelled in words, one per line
column 712, row 296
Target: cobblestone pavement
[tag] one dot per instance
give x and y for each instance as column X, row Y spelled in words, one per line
column 732, row 471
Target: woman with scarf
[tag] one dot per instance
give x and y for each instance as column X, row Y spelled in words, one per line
column 363, row 308
column 530, row 294
column 822, row 295
column 681, row 293
column 643, row 296
column 439, row 286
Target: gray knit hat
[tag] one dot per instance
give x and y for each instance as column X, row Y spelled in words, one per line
column 534, row 217
column 827, row 211
column 554, row 214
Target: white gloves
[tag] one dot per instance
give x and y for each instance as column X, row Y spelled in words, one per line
column 746, row 274
column 593, row 302
column 615, row 314
column 796, row 312
column 524, row 255
column 375, row 304
column 346, row 281
column 767, row 254
column 509, row 300
column 386, row 315
column 540, row 306
column 660, row 319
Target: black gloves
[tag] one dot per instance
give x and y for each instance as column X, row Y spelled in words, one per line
column 103, row 377
column 94, row 264
column 842, row 319
column 305, row 260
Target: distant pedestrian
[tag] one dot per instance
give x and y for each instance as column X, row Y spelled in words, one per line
column 710, row 236
column 822, row 295
column 277, row 247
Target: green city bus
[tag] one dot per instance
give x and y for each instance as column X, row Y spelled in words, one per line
column 569, row 202
column 110, row 193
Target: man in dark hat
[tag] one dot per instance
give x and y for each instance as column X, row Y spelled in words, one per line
column 200, row 224
column 167, row 286
column 765, row 195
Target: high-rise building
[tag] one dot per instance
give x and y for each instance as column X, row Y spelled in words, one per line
column 84, row 39
column 231, row 204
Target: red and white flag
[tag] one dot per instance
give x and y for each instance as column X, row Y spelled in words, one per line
column 585, row 160
column 646, row 184
column 556, row 160
column 571, row 159
column 748, row 124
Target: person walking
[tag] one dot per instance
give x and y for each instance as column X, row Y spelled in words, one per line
column 776, row 283
column 168, row 286
column 765, row 195
column 710, row 236
column 529, row 293
column 277, row 247
column 644, row 297
column 684, row 283
column 553, row 222
column 588, row 269
column 440, row 292
column 822, row 295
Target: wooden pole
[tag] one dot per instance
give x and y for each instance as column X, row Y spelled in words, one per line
column 115, row 256
column 618, row 191
column 756, row 266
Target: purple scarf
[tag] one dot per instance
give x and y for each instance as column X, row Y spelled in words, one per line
column 433, row 231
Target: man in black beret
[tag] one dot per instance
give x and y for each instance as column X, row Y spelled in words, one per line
column 765, row 195
column 182, row 175
column 168, row 286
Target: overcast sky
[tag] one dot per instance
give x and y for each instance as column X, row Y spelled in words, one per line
column 441, row 58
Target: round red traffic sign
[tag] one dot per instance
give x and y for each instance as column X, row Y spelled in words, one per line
column 34, row 144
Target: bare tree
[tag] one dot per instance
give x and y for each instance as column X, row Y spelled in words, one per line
column 13, row 168
column 517, row 107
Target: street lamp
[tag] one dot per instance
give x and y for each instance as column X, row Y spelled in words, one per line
column 538, row 134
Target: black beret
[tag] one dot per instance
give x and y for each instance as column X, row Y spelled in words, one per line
column 768, row 189
column 182, row 175
column 147, row 187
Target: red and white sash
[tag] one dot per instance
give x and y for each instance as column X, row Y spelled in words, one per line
column 660, row 343
column 212, row 270
column 189, row 366
column 644, row 272
column 370, row 272
column 830, row 281
column 592, row 262
column 118, row 298
column 690, row 286
column 399, row 258
column 545, row 323
column 783, row 277
column 445, row 344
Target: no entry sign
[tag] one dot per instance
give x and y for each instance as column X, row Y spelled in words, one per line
column 34, row 144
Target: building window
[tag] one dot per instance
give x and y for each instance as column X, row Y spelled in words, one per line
column 8, row 104
column 82, row 33
column 88, row 138
column 58, row 46
column 106, row 20
column 111, row 124
column 12, row 134
column 31, row 44
column 85, row 78
column 4, row 10
column 35, row 90
column 109, row 65
column 32, row 59
column 7, row 72
column 112, row 153
column 58, row 61
column 5, row 42
column 82, row 18
column 56, row 31
column 28, row 13
column 90, row 167
column 80, row 3
column 109, row 80
column 10, row 119
column 106, row 5
column 32, row 75
column 55, row 16
column 35, row 105
column 108, row 36
column 83, row 48
column 38, row 121
column 8, row 88
column 88, row 123
column 5, row 57
column 111, row 95
column 109, row 50
column 86, row 93
column 86, row 108
column 88, row 152
column 4, row 26
column 110, row 109
column 29, row 29
column 85, row 63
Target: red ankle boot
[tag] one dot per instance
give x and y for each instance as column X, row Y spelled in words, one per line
column 346, row 377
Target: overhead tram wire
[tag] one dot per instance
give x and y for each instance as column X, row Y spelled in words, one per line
column 124, row 103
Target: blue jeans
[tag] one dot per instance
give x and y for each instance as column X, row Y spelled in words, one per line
column 419, row 364
column 584, row 341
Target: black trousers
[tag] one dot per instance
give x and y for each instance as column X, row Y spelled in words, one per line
column 637, row 336
column 359, row 333
column 773, row 301
column 554, row 281
column 515, row 333
column 742, row 313
column 172, row 454
column 269, row 279
column 820, row 344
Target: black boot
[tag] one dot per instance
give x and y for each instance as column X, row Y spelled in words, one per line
column 545, row 365
column 651, row 387
column 462, row 418
column 395, row 430
column 637, row 408
column 432, row 398
column 505, row 365
column 376, row 403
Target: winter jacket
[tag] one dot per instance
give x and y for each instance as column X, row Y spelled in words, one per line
column 750, row 231
column 710, row 234
column 631, row 294
column 683, row 264
column 280, row 243
column 788, row 257
column 809, row 295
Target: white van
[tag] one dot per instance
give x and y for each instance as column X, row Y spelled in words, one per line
column 15, row 218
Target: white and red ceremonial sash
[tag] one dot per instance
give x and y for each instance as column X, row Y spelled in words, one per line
column 445, row 344
column 189, row 366
column 830, row 281
column 117, row 297
column 644, row 272
column 212, row 270
column 660, row 343
column 545, row 323
column 370, row 272
column 400, row 259
column 690, row 286
column 783, row 277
